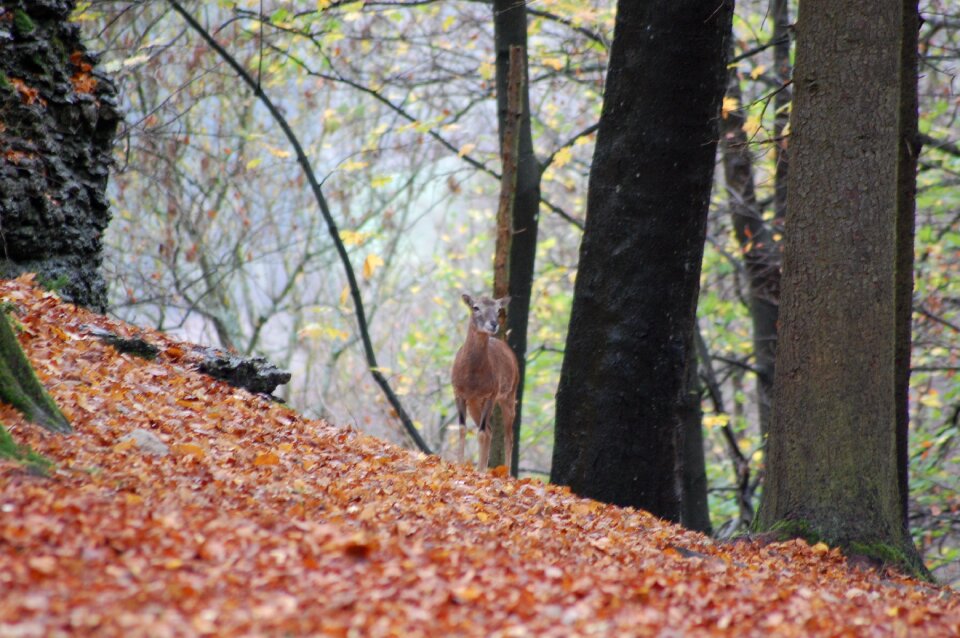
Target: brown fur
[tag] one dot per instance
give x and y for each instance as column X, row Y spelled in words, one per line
column 485, row 373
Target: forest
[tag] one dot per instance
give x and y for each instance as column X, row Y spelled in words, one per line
column 730, row 244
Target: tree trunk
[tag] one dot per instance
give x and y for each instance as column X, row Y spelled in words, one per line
column 760, row 252
column 909, row 151
column 696, row 509
column 510, row 29
column 19, row 386
column 835, row 465
column 59, row 120
column 780, row 13
column 621, row 397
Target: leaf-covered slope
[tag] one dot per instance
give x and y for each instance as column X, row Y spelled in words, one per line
column 262, row 522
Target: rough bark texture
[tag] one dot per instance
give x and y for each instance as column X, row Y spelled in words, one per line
column 832, row 465
column 620, row 400
column 58, row 123
column 510, row 29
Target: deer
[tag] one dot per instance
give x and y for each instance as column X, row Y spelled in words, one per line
column 485, row 373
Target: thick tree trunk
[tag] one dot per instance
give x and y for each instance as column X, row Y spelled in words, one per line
column 834, row 464
column 510, row 29
column 620, row 401
column 59, row 121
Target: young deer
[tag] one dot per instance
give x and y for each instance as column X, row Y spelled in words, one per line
column 485, row 373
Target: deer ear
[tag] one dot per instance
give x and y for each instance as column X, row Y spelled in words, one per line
column 467, row 299
column 503, row 301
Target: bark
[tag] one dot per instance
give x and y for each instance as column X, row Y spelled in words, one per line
column 59, row 120
column 834, row 464
column 19, row 386
column 509, row 146
column 510, row 29
column 760, row 252
column 696, row 509
column 621, row 397
column 909, row 151
column 780, row 13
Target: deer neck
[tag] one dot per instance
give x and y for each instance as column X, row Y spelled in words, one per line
column 475, row 349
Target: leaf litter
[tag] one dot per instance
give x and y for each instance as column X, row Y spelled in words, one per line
column 261, row 522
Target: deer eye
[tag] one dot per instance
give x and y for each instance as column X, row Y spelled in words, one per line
column 476, row 308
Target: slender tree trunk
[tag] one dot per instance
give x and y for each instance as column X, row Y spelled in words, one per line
column 509, row 145
column 909, row 151
column 760, row 252
column 59, row 120
column 510, row 29
column 780, row 13
column 621, row 397
column 835, row 464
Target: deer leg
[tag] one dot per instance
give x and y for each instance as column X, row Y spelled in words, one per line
column 483, row 438
column 484, row 435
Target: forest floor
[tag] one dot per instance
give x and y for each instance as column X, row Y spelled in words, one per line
column 261, row 522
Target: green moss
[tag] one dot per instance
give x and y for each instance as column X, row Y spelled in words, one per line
column 59, row 48
column 19, row 386
column 888, row 555
column 53, row 285
column 5, row 82
column 22, row 24
column 883, row 554
column 10, row 449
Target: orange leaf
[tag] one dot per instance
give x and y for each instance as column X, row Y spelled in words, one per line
column 192, row 449
column 266, row 458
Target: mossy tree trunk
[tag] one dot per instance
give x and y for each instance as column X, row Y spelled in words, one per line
column 19, row 385
column 836, row 465
column 59, row 121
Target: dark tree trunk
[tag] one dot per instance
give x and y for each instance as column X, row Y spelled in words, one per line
column 835, row 463
column 696, row 509
column 510, row 28
column 909, row 151
column 621, row 397
column 59, row 120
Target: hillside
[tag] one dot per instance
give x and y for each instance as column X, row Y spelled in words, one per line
column 260, row 522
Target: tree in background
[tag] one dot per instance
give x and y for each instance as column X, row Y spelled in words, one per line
column 836, row 462
column 510, row 29
column 57, row 124
column 630, row 341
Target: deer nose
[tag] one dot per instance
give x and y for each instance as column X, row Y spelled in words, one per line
column 492, row 327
